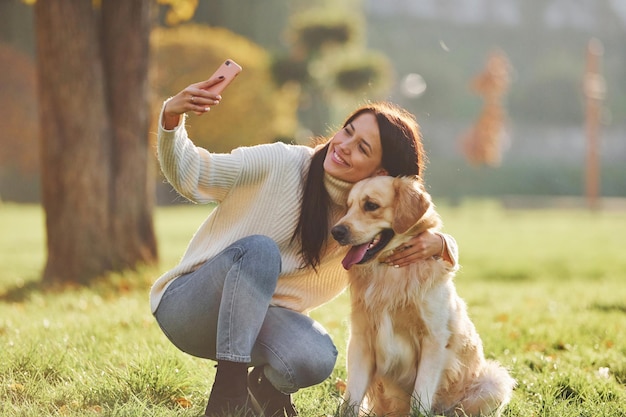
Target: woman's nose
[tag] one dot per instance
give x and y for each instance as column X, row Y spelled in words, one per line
column 345, row 146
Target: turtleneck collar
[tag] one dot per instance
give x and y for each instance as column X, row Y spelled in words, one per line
column 338, row 190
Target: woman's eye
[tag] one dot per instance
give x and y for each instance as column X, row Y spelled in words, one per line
column 370, row 206
column 365, row 149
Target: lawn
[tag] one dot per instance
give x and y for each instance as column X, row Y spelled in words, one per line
column 546, row 290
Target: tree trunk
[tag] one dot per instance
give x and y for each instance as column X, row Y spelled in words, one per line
column 88, row 144
column 126, row 58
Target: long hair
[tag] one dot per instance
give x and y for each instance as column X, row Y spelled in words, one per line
column 403, row 155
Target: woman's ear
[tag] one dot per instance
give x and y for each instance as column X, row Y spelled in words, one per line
column 381, row 171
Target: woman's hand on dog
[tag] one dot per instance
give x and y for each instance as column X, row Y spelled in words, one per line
column 423, row 246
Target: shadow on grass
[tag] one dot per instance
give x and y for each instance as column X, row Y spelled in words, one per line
column 607, row 308
column 22, row 291
column 110, row 285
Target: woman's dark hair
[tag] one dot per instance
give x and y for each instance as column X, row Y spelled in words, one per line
column 403, row 155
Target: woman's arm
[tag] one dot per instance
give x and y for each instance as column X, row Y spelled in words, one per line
column 194, row 172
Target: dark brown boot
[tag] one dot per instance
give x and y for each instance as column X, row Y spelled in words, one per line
column 229, row 395
column 266, row 400
column 228, row 407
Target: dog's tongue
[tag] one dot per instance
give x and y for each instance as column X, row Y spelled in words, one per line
column 354, row 255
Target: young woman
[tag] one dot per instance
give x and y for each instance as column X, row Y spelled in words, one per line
column 263, row 257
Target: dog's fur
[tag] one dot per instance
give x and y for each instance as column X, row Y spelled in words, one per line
column 412, row 345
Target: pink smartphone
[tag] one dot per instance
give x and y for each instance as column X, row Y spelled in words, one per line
column 229, row 70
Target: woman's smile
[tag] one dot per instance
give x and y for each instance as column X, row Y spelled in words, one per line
column 338, row 159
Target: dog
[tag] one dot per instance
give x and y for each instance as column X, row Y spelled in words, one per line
column 412, row 346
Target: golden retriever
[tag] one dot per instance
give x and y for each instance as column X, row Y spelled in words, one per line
column 412, row 346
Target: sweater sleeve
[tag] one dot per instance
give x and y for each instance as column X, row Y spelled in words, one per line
column 195, row 173
column 452, row 248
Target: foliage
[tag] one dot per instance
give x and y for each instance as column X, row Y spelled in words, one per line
column 544, row 288
column 362, row 71
column 253, row 109
column 327, row 57
column 179, row 11
column 317, row 29
column 286, row 69
column 484, row 142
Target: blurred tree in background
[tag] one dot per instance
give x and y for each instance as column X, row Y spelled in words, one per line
column 483, row 144
column 318, row 46
column 328, row 59
column 94, row 120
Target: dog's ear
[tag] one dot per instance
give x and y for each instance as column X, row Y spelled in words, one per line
column 410, row 204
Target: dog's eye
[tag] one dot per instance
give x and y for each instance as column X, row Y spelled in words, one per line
column 370, row 206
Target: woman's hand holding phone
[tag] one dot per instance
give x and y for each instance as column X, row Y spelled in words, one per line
column 199, row 97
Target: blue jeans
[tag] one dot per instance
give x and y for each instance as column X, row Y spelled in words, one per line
column 222, row 311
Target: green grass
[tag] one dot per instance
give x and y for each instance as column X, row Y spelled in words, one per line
column 546, row 290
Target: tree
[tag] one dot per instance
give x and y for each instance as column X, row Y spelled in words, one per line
column 483, row 143
column 93, row 98
column 329, row 60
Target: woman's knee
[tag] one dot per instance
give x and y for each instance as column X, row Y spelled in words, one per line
column 317, row 369
column 263, row 248
column 303, row 367
column 297, row 352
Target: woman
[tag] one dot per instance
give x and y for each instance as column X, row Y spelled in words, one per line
column 263, row 257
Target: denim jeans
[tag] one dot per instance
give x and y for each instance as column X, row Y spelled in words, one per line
column 222, row 311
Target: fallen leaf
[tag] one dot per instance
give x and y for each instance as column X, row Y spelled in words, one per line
column 183, row 402
column 15, row 387
column 340, row 385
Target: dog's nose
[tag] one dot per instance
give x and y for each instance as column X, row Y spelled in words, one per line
column 339, row 233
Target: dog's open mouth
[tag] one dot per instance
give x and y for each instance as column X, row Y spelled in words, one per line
column 362, row 253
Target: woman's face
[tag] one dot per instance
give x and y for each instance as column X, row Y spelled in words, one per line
column 355, row 152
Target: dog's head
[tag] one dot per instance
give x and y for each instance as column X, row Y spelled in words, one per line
column 382, row 213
